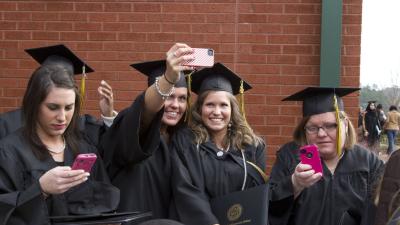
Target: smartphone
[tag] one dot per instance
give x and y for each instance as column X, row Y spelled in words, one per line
column 203, row 57
column 309, row 155
column 84, row 162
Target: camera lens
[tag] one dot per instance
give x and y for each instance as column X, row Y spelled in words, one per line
column 303, row 151
column 309, row 155
column 210, row 52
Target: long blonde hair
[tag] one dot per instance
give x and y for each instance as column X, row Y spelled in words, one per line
column 239, row 133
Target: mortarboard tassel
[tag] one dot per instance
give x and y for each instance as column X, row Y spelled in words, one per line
column 339, row 127
column 189, row 101
column 241, row 101
column 83, row 87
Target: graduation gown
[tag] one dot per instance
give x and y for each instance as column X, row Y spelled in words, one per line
column 10, row 122
column 202, row 175
column 371, row 120
column 21, row 200
column 138, row 163
column 91, row 128
column 343, row 198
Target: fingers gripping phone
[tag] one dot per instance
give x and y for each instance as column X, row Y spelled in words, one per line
column 309, row 155
column 84, row 162
column 203, row 57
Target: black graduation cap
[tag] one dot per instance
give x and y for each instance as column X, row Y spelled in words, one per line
column 317, row 100
column 59, row 55
column 153, row 69
column 372, row 101
column 217, row 78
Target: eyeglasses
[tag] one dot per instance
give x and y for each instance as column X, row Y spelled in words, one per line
column 327, row 127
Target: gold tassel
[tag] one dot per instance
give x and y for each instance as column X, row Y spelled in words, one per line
column 188, row 100
column 339, row 127
column 241, row 101
column 83, row 87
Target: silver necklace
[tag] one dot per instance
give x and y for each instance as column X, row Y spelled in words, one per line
column 58, row 150
column 222, row 151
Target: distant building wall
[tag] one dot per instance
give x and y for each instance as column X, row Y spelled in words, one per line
column 273, row 44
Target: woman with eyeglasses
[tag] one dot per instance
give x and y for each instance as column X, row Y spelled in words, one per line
column 342, row 194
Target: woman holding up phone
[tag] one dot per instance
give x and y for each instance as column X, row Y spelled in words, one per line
column 342, row 193
column 36, row 179
column 135, row 147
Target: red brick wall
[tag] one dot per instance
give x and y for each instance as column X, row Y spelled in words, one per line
column 273, row 44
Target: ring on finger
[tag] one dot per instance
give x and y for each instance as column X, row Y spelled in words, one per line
column 175, row 54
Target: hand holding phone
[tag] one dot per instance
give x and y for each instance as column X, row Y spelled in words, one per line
column 309, row 155
column 203, row 57
column 84, row 162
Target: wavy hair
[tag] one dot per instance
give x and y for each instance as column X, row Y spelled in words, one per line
column 39, row 86
column 239, row 134
column 299, row 134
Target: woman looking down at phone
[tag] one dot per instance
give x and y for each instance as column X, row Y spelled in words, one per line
column 36, row 180
column 342, row 194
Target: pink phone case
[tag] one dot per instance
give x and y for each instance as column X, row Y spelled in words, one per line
column 203, row 57
column 84, row 162
column 309, row 155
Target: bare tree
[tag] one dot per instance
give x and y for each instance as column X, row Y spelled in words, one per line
column 392, row 94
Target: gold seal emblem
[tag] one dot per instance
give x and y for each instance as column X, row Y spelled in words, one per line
column 234, row 212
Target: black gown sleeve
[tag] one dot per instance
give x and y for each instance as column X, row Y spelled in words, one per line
column 10, row 122
column 260, row 156
column 281, row 188
column 18, row 204
column 124, row 142
column 92, row 129
column 389, row 186
column 95, row 196
column 376, row 171
column 191, row 202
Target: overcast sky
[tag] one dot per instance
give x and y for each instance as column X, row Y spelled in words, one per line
column 380, row 43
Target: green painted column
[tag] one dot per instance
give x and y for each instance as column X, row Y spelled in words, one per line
column 331, row 36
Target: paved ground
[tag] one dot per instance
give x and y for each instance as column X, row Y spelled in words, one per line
column 383, row 149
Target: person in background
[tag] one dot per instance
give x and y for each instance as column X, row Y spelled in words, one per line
column 136, row 145
column 342, row 194
column 371, row 127
column 381, row 115
column 36, row 179
column 360, row 131
column 213, row 151
column 60, row 55
column 392, row 127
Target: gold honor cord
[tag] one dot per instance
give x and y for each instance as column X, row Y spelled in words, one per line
column 339, row 127
column 83, row 87
column 241, row 101
column 189, row 101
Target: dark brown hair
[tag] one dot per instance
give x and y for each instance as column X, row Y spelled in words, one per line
column 41, row 82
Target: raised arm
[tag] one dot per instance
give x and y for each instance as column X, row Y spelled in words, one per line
column 163, row 87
